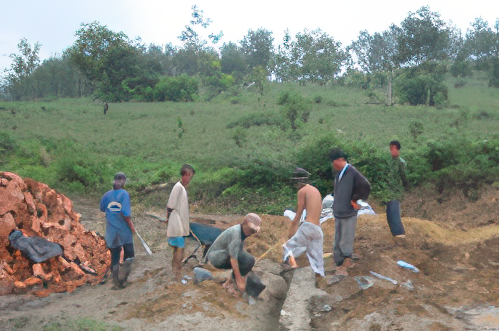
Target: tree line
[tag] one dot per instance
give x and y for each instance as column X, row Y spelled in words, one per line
column 408, row 59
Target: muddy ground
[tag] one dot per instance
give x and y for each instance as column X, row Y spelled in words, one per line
column 456, row 288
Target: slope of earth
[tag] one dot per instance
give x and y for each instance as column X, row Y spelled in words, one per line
column 453, row 207
column 458, row 272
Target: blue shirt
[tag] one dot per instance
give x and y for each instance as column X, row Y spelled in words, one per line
column 116, row 204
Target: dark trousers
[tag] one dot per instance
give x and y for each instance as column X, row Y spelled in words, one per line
column 116, row 252
column 393, row 218
column 245, row 260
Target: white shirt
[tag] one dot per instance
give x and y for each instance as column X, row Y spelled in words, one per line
column 178, row 223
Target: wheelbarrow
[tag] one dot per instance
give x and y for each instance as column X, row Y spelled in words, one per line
column 205, row 235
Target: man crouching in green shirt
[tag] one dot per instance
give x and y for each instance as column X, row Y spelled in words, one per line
column 227, row 252
column 397, row 182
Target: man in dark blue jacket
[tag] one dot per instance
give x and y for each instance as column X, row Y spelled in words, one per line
column 349, row 187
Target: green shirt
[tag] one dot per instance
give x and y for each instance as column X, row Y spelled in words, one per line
column 397, row 179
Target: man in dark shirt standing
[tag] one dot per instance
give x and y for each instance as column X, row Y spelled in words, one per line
column 349, row 187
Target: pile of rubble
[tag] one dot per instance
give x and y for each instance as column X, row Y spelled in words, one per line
column 37, row 210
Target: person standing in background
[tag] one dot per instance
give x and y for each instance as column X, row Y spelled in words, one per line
column 397, row 183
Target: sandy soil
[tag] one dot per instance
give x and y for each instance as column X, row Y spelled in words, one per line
column 153, row 300
column 456, row 288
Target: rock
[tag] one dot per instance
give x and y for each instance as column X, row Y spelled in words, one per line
column 276, row 286
column 38, row 272
column 38, row 210
column 7, row 224
column 6, row 286
column 19, row 284
column 32, row 281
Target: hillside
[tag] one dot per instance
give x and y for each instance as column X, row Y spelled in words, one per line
column 72, row 146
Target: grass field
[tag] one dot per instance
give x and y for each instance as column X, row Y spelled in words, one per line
column 150, row 141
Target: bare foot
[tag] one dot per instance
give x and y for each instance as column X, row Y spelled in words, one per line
column 292, row 262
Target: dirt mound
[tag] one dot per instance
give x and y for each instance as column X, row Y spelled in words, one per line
column 453, row 207
column 37, row 210
column 458, row 269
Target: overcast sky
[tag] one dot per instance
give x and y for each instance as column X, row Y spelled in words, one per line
column 54, row 22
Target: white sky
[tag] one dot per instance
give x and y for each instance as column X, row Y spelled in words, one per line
column 53, row 22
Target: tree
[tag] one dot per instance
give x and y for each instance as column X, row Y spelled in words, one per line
column 191, row 37
column 23, row 65
column 482, row 43
column 318, row 55
column 283, row 69
column 312, row 56
column 232, row 60
column 378, row 54
column 424, row 37
column 106, row 58
column 196, row 55
column 258, row 48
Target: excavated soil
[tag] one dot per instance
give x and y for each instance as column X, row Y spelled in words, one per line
column 458, row 272
column 456, row 288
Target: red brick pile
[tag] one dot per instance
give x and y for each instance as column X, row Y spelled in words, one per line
column 37, row 210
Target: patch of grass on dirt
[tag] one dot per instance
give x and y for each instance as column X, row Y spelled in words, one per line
column 85, row 323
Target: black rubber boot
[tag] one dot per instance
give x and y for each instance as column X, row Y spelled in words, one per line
column 115, row 270
column 126, row 268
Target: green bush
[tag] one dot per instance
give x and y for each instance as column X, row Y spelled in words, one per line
column 7, row 144
column 422, row 85
column 283, row 98
column 257, row 119
column 294, row 108
column 461, row 69
column 318, row 99
column 178, row 88
column 85, row 171
column 494, row 73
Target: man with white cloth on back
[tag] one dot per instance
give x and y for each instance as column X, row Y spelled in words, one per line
column 307, row 236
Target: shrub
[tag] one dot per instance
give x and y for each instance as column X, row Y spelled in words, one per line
column 460, row 83
column 422, row 85
column 494, row 74
column 294, row 108
column 482, row 115
column 75, row 165
column 283, row 98
column 178, row 88
column 461, row 69
column 239, row 135
column 7, row 144
column 318, row 99
column 257, row 119
column 443, row 153
column 416, row 129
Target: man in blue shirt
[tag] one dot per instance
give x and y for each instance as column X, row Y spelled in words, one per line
column 119, row 229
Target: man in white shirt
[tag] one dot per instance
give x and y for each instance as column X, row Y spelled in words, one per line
column 177, row 216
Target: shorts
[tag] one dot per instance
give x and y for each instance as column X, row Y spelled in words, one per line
column 176, row 242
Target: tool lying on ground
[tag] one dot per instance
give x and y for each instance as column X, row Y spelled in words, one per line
column 146, row 247
column 394, row 282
